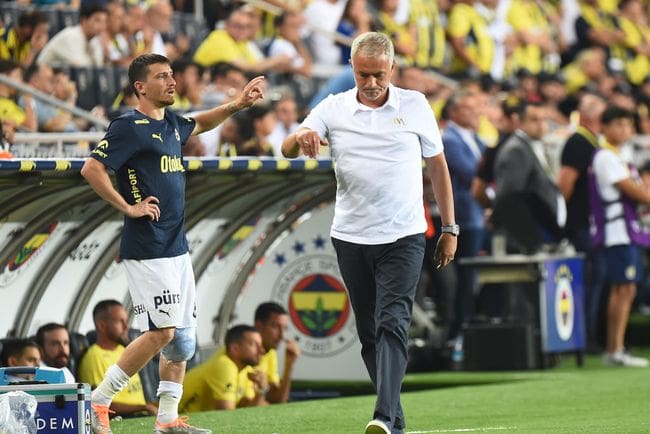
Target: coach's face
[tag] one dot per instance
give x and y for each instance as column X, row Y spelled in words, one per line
column 372, row 76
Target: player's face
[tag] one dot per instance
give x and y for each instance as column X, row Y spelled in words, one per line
column 372, row 76
column 251, row 349
column 273, row 330
column 160, row 85
column 116, row 324
column 56, row 348
column 31, row 356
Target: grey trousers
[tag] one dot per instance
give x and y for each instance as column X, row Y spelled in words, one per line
column 381, row 281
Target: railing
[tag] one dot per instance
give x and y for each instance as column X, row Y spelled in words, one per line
column 99, row 122
column 43, row 145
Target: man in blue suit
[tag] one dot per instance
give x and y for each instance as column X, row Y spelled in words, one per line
column 463, row 150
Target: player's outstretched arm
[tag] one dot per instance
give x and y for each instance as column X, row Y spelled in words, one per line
column 207, row 120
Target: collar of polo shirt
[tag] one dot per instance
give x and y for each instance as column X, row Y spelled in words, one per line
column 355, row 106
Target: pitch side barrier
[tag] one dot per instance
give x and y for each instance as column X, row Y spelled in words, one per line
column 258, row 230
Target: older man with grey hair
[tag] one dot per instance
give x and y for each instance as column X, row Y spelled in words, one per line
column 378, row 134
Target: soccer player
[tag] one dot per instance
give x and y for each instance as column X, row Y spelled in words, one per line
column 143, row 148
column 271, row 321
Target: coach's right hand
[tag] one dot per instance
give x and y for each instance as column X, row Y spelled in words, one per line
column 309, row 142
column 146, row 208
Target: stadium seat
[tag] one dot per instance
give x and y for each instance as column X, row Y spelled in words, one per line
column 177, row 25
column 68, row 17
column 78, row 346
column 196, row 30
column 52, row 15
column 105, row 85
column 91, row 337
column 10, row 11
column 86, row 87
column 121, row 76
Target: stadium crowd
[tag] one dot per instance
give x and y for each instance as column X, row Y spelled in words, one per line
column 547, row 51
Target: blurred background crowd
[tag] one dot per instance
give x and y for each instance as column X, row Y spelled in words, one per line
column 75, row 53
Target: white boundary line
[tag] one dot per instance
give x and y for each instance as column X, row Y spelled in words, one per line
column 487, row 428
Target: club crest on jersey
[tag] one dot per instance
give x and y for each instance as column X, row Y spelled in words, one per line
column 177, row 135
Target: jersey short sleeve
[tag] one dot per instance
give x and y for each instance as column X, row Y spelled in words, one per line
column 118, row 145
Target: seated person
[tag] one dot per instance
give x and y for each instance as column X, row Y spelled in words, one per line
column 271, row 321
column 234, row 44
column 220, row 382
column 54, row 342
column 21, row 116
column 20, row 352
column 110, row 320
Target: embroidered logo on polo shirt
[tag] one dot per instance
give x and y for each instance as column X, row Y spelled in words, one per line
column 399, row 121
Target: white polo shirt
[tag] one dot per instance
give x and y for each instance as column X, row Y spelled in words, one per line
column 610, row 169
column 378, row 154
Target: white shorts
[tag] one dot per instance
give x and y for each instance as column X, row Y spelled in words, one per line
column 162, row 291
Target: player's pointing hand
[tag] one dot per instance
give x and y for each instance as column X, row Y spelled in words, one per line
column 253, row 92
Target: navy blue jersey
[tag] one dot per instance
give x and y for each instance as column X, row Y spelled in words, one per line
column 145, row 155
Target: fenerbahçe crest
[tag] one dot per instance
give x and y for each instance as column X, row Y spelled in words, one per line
column 564, row 304
column 310, row 286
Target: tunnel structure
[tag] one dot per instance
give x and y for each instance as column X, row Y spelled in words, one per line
column 258, row 230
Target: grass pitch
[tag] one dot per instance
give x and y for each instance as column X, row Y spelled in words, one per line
column 565, row 399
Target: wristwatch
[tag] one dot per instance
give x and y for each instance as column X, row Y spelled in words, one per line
column 453, row 229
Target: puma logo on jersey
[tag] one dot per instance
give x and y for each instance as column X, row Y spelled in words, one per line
column 156, row 136
column 166, row 312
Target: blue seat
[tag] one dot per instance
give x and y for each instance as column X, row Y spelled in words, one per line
column 68, row 17
column 105, row 85
column 52, row 15
column 86, row 87
column 10, row 11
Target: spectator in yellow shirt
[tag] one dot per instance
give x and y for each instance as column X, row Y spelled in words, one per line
column 9, row 109
column 22, row 43
column 472, row 45
column 220, row 382
column 232, row 45
column 271, row 321
column 110, row 320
